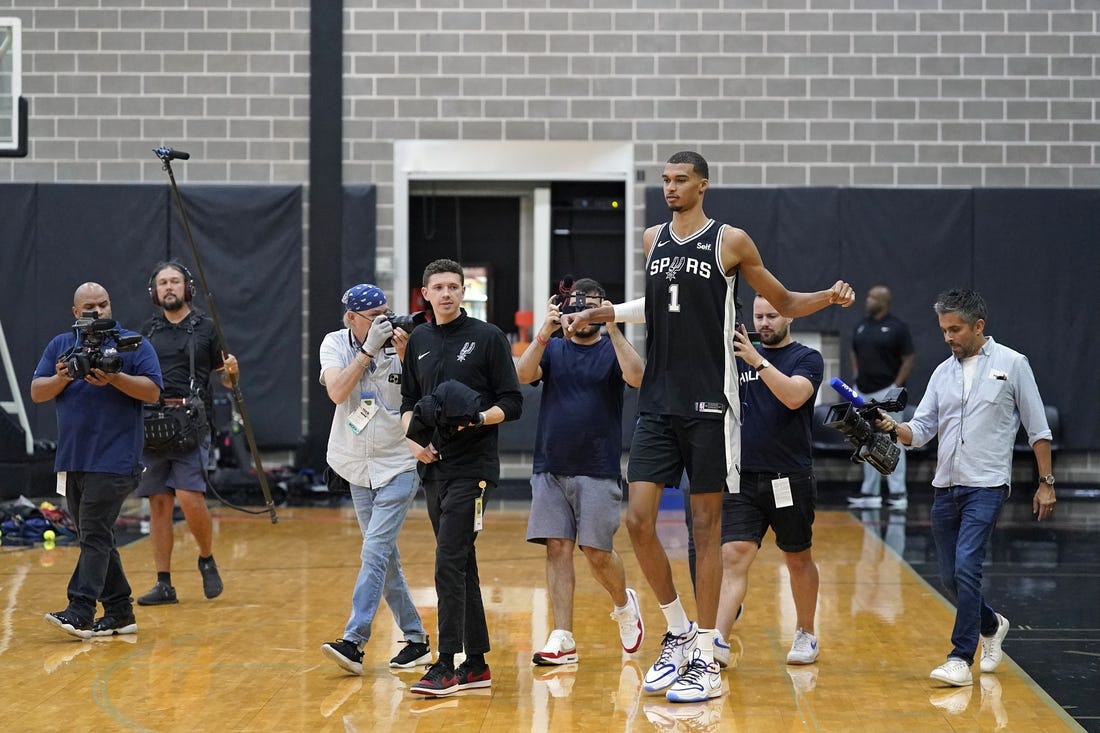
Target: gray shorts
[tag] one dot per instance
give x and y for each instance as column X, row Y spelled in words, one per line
column 579, row 508
column 163, row 475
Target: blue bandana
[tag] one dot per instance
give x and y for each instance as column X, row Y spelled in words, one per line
column 363, row 297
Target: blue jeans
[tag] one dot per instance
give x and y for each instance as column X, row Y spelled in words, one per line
column 381, row 513
column 963, row 519
column 872, row 479
column 95, row 500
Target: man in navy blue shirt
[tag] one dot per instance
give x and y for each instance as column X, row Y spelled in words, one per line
column 779, row 380
column 576, row 482
column 100, row 436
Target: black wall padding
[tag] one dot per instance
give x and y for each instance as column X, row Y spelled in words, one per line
column 1032, row 253
column 357, row 258
column 53, row 237
column 1037, row 262
column 918, row 243
column 250, row 242
column 18, row 267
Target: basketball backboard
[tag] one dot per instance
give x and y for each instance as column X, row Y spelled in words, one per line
column 13, row 108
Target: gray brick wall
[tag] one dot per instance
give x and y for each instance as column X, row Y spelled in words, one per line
column 774, row 92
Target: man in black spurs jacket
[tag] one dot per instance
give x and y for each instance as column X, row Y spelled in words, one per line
column 459, row 464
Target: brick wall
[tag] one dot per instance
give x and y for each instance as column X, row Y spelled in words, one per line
column 773, row 92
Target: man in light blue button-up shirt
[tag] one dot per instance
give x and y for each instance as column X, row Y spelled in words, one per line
column 975, row 403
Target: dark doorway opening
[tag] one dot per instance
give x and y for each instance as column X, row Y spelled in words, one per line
column 475, row 231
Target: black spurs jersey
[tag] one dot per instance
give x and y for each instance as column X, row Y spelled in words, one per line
column 690, row 315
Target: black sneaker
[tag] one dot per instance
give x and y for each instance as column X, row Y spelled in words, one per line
column 414, row 654
column 471, row 676
column 345, row 653
column 211, row 581
column 438, row 681
column 70, row 623
column 110, row 624
column 160, row 594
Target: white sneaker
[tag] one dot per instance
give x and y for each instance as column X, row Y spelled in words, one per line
column 721, row 651
column 558, row 649
column 991, row 646
column 631, row 627
column 675, row 651
column 954, row 671
column 953, row 701
column 899, row 502
column 991, row 700
column 803, row 649
column 700, row 681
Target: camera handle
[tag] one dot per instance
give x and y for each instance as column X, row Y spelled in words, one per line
column 166, row 156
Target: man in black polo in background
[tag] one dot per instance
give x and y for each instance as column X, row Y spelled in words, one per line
column 882, row 357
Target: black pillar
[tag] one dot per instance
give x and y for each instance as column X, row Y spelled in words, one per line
column 326, row 136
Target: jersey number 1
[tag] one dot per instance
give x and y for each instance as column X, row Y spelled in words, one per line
column 674, row 298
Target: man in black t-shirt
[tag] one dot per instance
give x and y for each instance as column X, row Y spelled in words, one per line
column 882, row 357
column 174, row 332
column 779, row 380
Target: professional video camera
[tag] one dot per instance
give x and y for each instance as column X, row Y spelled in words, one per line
column 405, row 323
column 854, row 419
column 91, row 350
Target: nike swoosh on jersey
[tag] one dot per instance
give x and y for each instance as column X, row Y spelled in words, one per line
column 423, row 355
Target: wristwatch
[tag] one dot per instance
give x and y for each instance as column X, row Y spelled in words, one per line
column 764, row 364
column 1048, row 479
column 480, row 418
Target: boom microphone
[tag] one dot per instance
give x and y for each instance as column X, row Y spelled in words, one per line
column 847, row 392
column 169, row 154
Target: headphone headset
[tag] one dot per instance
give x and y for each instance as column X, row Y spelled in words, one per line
column 188, row 290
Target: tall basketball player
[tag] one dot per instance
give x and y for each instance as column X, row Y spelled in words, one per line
column 689, row 412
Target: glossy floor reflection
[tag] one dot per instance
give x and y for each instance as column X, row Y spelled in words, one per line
column 1043, row 577
column 250, row 660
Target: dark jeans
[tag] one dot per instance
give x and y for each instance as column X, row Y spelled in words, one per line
column 963, row 519
column 461, row 614
column 95, row 500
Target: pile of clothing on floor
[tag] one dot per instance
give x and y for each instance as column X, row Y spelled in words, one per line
column 23, row 522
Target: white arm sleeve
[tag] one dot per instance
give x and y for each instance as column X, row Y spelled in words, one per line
column 632, row 311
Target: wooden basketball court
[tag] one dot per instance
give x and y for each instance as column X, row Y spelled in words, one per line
column 250, row 660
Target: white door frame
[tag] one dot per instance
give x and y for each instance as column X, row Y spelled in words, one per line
column 535, row 164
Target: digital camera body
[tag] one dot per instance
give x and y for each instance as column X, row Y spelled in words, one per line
column 99, row 345
column 405, row 323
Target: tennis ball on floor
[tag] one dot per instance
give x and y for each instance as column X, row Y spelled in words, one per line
column 48, row 536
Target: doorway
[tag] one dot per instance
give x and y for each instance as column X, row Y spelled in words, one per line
column 503, row 203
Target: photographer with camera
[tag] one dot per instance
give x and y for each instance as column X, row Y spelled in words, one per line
column 974, row 403
column 361, row 372
column 576, row 483
column 99, row 439
column 187, row 346
column 779, row 380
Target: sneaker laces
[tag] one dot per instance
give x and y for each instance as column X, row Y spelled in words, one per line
column 694, row 669
column 668, row 644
